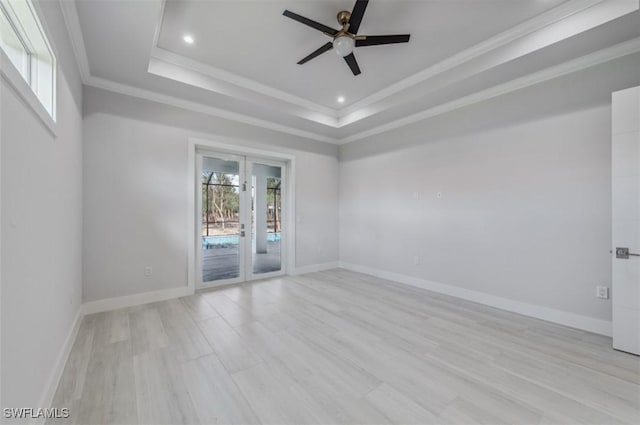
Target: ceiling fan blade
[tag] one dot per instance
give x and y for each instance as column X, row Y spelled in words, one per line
column 376, row 40
column 310, row 23
column 353, row 64
column 321, row 50
column 356, row 15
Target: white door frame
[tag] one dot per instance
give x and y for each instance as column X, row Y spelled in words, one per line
column 200, row 145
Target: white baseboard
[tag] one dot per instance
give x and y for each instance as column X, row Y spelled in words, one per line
column 97, row 307
column 135, row 299
column 602, row 327
column 61, row 361
column 109, row 304
column 315, row 268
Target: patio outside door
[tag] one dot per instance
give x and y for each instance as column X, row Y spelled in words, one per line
column 240, row 224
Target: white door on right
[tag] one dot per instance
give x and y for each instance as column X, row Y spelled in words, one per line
column 626, row 220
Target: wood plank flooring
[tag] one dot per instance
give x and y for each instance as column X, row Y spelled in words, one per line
column 338, row 347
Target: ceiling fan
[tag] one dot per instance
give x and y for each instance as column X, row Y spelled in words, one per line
column 347, row 38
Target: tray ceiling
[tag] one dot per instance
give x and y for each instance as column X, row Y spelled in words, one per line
column 242, row 63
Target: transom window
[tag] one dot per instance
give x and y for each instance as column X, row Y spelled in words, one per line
column 25, row 44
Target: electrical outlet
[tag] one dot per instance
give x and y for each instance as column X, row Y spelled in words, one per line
column 602, row 292
column 148, row 271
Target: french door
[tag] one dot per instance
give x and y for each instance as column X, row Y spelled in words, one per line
column 240, row 226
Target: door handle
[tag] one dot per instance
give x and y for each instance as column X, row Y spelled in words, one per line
column 624, row 254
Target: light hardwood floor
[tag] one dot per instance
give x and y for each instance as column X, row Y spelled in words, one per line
column 339, row 347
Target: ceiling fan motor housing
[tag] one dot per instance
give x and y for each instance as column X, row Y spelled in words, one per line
column 344, row 17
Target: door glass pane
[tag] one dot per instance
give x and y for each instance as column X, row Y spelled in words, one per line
column 266, row 218
column 220, row 219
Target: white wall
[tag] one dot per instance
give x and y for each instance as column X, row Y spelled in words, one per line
column 525, row 212
column 135, row 195
column 41, row 229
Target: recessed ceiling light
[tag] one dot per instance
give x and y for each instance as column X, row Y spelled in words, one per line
column 188, row 39
column 341, row 99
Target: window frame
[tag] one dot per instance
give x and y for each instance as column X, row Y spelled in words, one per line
column 16, row 33
column 28, row 89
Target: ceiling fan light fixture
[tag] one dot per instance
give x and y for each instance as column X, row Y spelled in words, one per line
column 344, row 45
column 346, row 39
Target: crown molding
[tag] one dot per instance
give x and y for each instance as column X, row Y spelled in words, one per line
column 74, row 29
column 154, row 96
column 243, row 83
column 563, row 21
column 596, row 58
column 382, row 100
column 329, row 115
column 555, row 25
column 337, row 118
column 528, row 27
column 72, row 22
column 178, row 68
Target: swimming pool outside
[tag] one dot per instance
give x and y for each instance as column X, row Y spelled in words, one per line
column 216, row 241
